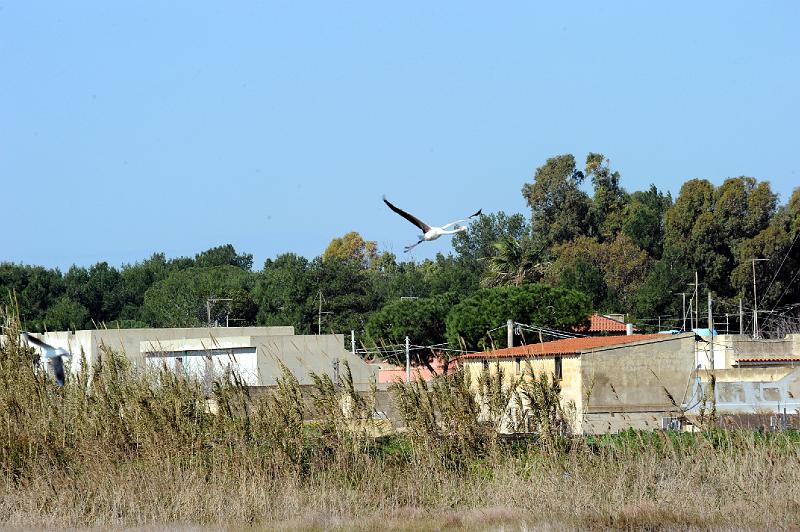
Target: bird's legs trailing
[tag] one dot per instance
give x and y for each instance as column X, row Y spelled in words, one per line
column 412, row 246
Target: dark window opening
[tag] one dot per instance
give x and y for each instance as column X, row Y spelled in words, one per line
column 558, row 371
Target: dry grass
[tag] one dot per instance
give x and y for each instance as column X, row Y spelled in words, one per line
column 123, row 449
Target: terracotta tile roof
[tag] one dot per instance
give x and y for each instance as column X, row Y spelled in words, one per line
column 767, row 359
column 598, row 323
column 567, row 346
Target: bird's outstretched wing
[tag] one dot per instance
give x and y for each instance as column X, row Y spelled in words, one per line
column 411, row 218
column 57, row 364
column 35, row 341
column 468, row 218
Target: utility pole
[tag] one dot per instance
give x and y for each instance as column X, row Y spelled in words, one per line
column 319, row 315
column 510, row 333
column 696, row 300
column 741, row 318
column 683, row 329
column 408, row 360
column 353, row 341
column 710, row 331
column 727, row 328
column 694, row 317
column 755, row 301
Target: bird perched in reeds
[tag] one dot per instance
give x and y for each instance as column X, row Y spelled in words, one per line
column 428, row 232
column 54, row 355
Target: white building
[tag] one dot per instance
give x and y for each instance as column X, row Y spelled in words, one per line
column 254, row 353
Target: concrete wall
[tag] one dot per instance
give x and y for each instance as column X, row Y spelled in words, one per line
column 748, row 390
column 128, row 341
column 309, row 353
column 746, row 347
column 605, row 423
column 634, row 379
column 301, row 354
column 730, row 347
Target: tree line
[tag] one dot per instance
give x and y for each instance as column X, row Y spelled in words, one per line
column 586, row 244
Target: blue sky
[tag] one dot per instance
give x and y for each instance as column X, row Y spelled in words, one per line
column 177, row 126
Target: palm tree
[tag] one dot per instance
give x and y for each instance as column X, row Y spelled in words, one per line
column 516, row 261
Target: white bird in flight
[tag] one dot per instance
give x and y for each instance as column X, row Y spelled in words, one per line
column 54, row 356
column 429, row 233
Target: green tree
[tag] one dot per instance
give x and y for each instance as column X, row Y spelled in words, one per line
column 223, row 256
column 477, row 243
column 348, row 295
column 180, row 299
column 135, row 280
column 469, row 322
column 422, row 320
column 67, row 314
column 515, row 261
column 582, row 275
column 559, row 208
column 98, row 289
column 643, row 219
column 33, row 288
column 622, row 263
column 778, row 279
column 706, row 226
column 610, row 199
column 352, row 248
column 283, row 290
column 658, row 294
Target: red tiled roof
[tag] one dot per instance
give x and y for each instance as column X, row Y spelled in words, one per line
column 598, row 323
column 566, row 346
column 767, row 359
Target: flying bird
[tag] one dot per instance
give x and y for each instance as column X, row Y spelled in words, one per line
column 429, row 233
column 54, row 355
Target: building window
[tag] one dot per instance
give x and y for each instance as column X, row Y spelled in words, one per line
column 518, row 364
column 486, row 365
column 558, row 371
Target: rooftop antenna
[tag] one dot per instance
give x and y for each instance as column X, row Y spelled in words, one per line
column 320, row 313
column 211, row 300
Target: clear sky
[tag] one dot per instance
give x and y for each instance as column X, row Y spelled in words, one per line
column 177, row 126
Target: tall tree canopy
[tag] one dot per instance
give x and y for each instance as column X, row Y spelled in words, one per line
column 559, row 208
column 628, row 252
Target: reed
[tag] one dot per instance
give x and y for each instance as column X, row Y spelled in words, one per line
column 116, row 447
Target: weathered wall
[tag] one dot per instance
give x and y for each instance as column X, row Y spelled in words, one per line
column 305, row 354
column 604, row 423
column 636, row 379
column 750, row 390
column 746, row 347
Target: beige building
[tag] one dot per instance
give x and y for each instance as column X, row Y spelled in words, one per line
column 755, row 382
column 608, row 383
column 254, row 353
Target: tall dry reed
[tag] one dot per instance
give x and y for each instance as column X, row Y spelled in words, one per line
column 119, row 447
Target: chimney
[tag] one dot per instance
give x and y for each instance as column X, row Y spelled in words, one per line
column 629, row 329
